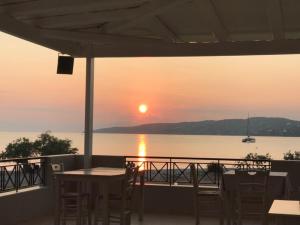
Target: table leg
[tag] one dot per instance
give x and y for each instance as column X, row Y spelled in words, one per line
column 228, row 208
column 280, row 220
column 79, row 206
column 105, row 193
column 57, row 202
column 141, row 201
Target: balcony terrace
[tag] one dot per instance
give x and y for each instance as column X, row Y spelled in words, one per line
column 167, row 192
column 139, row 28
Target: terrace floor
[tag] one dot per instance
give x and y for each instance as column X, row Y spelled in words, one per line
column 150, row 219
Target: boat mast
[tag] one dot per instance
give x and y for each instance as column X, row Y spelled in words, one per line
column 248, row 126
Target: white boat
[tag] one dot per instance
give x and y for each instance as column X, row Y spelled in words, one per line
column 248, row 139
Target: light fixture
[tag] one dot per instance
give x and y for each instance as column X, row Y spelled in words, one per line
column 65, row 64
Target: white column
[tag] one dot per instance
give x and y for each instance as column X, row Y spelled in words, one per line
column 89, row 102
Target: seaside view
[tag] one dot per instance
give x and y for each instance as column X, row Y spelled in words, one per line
column 149, row 112
column 171, row 145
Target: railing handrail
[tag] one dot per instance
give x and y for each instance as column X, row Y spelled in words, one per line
column 19, row 159
column 144, row 157
column 199, row 158
column 168, row 170
column 33, row 157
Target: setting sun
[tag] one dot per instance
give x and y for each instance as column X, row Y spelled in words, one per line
column 143, row 108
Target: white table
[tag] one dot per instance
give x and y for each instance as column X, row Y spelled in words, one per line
column 285, row 208
column 282, row 210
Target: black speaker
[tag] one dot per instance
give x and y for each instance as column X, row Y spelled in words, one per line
column 65, row 65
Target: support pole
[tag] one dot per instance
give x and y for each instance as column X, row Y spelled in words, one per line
column 89, row 101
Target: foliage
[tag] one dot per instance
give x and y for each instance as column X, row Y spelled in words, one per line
column 45, row 144
column 19, row 148
column 255, row 156
column 251, row 163
column 291, row 155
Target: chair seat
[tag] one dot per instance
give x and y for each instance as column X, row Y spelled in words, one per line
column 116, row 197
column 207, row 199
column 74, row 194
column 213, row 193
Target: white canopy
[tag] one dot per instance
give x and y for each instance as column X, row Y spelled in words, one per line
column 132, row 28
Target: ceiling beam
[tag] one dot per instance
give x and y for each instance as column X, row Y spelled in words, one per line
column 97, row 38
column 11, row 2
column 153, row 8
column 204, row 49
column 160, row 28
column 275, row 16
column 13, row 27
column 213, row 18
column 81, row 20
column 64, row 7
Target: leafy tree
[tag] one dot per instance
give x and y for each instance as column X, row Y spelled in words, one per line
column 19, row 148
column 291, row 155
column 47, row 144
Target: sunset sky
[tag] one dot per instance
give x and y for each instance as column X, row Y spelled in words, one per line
column 34, row 98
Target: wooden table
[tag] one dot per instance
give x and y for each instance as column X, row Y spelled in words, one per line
column 101, row 175
column 283, row 209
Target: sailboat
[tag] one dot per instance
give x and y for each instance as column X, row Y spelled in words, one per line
column 248, row 139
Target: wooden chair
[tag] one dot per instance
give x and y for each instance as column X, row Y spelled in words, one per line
column 206, row 196
column 74, row 204
column 123, row 198
column 252, row 195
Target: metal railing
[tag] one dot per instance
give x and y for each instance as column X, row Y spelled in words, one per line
column 22, row 173
column 176, row 170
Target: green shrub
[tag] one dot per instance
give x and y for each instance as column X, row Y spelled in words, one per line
column 19, row 148
column 252, row 164
column 45, row 144
column 291, row 155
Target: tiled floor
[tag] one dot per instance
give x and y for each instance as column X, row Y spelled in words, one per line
column 150, row 219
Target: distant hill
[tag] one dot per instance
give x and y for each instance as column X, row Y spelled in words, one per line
column 259, row 126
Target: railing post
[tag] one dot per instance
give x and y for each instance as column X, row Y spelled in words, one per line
column 16, row 177
column 218, row 173
column 89, row 101
column 43, row 169
column 171, row 168
column 1, row 179
column 147, row 172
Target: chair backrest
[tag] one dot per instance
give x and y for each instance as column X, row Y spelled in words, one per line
column 194, row 177
column 131, row 178
column 57, row 167
column 252, row 188
column 292, row 167
column 66, row 186
column 259, row 177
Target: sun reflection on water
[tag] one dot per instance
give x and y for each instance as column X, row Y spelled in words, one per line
column 142, row 149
